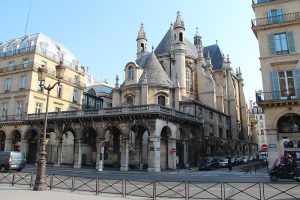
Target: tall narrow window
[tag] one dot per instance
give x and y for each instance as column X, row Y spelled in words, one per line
column 4, row 110
column 38, row 108
column 8, row 85
column 275, row 16
column 189, row 79
column 142, row 47
column 23, row 81
column 25, row 63
column 162, row 100
column 181, row 37
column 286, row 83
column 59, row 91
column 130, row 73
column 129, row 100
column 75, row 96
column 10, row 66
column 281, row 45
column 19, row 108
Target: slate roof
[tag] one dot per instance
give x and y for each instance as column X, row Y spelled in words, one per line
column 156, row 76
column 215, row 55
column 165, row 45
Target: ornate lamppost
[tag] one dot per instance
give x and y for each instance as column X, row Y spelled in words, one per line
column 40, row 181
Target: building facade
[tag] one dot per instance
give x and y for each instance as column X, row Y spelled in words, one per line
column 277, row 28
column 21, row 93
column 258, row 114
column 178, row 103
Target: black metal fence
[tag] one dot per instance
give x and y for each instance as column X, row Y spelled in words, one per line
column 161, row 189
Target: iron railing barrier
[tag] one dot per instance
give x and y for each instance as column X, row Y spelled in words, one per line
column 252, row 167
column 161, row 189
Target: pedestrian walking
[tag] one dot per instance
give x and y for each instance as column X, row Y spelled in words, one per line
column 229, row 164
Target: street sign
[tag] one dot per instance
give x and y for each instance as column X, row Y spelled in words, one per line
column 173, row 150
column 264, row 147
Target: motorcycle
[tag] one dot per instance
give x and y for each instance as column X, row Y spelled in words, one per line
column 281, row 171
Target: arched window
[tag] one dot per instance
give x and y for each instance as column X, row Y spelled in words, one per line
column 211, row 130
column 129, row 100
column 189, row 79
column 130, row 73
column 142, row 47
column 180, row 37
column 162, row 100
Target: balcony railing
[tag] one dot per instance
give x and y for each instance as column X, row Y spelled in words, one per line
column 279, row 19
column 50, row 55
column 278, row 96
column 254, row 2
column 130, row 110
column 33, row 65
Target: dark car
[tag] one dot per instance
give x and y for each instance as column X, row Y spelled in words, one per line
column 209, row 163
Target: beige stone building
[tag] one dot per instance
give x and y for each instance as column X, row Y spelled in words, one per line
column 277, row 28
column 20, row 92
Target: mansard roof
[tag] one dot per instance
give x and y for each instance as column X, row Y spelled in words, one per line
column 216, row 55
column 164, row 46
column 153, row 71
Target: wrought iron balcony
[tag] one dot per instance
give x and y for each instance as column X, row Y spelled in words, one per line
column 255, row 2
column 38, row 49
column 279, row 19
column 278, row 96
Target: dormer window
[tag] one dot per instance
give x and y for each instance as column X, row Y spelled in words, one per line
column 130, row 73
column 162, row 100
column 129, row 100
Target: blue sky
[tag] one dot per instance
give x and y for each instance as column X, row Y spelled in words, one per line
column 102, row 34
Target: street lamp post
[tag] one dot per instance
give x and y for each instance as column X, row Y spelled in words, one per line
column 40, row 181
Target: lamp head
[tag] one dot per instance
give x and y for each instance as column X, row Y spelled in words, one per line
column 42, row 71
column 60, row 70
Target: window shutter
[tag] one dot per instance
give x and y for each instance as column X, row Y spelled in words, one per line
column 290, row 40
column 275, row 84
column 297, row 81
column 269, row 16
column 272, row 50
column 280, row 14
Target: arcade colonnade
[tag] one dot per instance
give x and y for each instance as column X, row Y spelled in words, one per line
column 135, row 143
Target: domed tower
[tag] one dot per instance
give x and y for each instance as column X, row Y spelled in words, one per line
column 179, row 49
column 141, row 42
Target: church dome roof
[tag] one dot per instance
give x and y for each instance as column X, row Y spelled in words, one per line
column 153, row 71
column 164, row 46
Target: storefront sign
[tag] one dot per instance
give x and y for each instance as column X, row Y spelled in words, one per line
column 272, row 146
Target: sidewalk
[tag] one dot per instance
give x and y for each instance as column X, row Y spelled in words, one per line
column 12, row 192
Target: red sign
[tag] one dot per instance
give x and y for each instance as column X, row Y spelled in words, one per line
column 264, row 147
column 173, row 150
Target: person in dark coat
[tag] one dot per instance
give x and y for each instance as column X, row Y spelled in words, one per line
column 229, row 164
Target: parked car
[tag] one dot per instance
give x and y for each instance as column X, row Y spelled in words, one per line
column 209, row 163
column 10, row 160
column 245, row 159
column 223, row 162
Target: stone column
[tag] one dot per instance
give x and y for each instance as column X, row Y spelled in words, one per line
column 98, row 142
column 59, row 149
column 77, row 153
column 171, row 156
column 24, row 145
column 154, row 154
column 124, row 154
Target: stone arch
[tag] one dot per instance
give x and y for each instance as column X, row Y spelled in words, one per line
column 288, row 123
column 2, row 140
column 279, row 115
column 165, row 135
column 88, row 146
column 52, row 143
column 68, row 138
column 16, row 140
column 138, row 146
column 112, row 149
column 31, row 145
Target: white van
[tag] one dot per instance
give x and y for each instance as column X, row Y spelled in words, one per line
column 11, row 160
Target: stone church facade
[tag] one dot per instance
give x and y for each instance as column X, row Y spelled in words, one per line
column 178, row 103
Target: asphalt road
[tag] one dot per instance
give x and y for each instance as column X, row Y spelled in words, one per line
column 219, row 175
